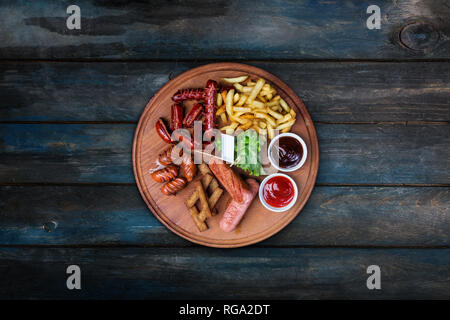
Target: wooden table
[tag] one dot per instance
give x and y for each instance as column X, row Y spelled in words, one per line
column 70, row 101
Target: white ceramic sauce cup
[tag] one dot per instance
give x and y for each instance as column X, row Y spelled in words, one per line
column 276, row 209
column 302, row 160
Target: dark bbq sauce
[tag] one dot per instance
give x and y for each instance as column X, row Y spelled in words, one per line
column 290, row 152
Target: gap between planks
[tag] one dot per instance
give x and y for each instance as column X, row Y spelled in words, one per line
column 119, row 184
column 405, row 123
column 195, row 246
column 278, row 60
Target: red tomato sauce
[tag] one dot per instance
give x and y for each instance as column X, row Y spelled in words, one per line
column 278, row 192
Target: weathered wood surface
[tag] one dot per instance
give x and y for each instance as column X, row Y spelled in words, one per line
column 349, row 153
column 257, row 273
column 116, row 215
column 332, row 92
column 231, row 29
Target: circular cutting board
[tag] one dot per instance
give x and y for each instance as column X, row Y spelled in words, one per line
column 258, row 223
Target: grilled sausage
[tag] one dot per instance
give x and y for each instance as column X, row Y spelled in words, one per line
column 176, row 117
column 165, row 158
column 231, row 181
column 172, row 187
column 188, row 94
column 162, row 131
column 235, row 211
column 165, row 174
column 210, row 100
column 188, row 167
column 193, row 115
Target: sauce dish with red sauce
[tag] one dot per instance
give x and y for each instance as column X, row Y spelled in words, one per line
column 278, row 192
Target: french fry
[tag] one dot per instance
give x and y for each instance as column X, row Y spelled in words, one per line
column 236, row 79
column 262, row 125
column 219, row 100
column 215, row 196
column 203, row 200
column 278, row 108
column 224, row 95
column 269, row 119
column 262, row 131
column 284, row 105
column 223, row 117
column 236, row 118
column 246, row 125
column 270, row 131
column 293, row 114
column 247, row 89
column 233, row 126
column 220, row 110
column 272, row 103
column 248, row 116
column 261, row 98
column 257, row 104
column 206, row 180
column 242, row 109
column 285, row 125
column 229, row 131
column 276, row 98
column 242, row 100
column 201, row 225
column 190, row 202
column 285, row 118
column 210, row 183
column 213, row 185
column 229, row 102
column 239, row 87
column 275, row 114
column 256, row 89
column 236, row 97
column 204, row 169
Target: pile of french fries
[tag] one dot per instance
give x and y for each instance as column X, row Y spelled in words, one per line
column 208, row 183
column 253, row 105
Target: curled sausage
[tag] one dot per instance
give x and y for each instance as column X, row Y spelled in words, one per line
column 210, row 100
column 184, row 137
column 165, row 174
column 188, row 94
column 162, row 131
column 193, row 115
column 188, row 167
column 165, row 158
column 172, row 187
column 176, row 117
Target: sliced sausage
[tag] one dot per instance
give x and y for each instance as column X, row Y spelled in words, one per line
column 236, row 210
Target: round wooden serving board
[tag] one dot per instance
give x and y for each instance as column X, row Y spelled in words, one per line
column 258, row 223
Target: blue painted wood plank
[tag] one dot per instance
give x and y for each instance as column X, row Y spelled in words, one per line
column 349, row 153
column 191, row 273
column 116, row 215
column 67, row 153
column 231, row 29
column 332, row 92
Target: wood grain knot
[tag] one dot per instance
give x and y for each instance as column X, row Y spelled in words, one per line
column 49, row 226
column 419, row 36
